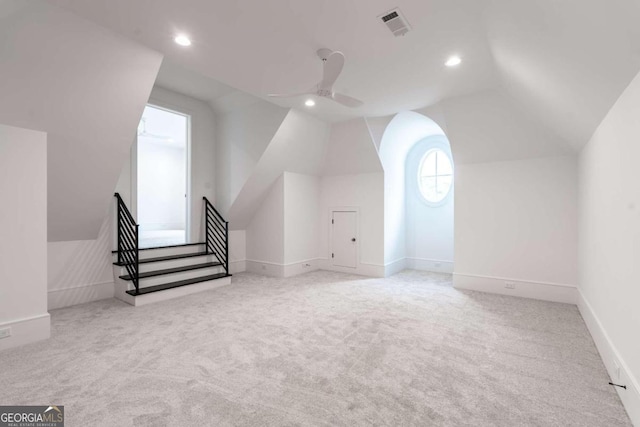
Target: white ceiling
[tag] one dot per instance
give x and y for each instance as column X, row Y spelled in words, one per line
column 190, row 83
column 563, row 62
column 269, row 47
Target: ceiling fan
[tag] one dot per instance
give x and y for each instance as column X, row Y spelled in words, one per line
column 142, row 131
column 332, row 63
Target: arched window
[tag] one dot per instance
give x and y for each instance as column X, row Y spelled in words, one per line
column 435, row 175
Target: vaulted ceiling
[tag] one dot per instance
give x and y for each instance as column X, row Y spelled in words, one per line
column 563, row 63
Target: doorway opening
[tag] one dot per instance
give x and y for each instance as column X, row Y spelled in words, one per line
column 162, row 171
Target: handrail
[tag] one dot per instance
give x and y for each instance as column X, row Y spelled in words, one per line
column 217, row 243
column 126, row 210
column 128, row 242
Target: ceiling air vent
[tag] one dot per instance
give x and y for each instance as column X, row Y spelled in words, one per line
column 395, row 22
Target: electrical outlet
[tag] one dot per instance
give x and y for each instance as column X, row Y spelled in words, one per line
column 616, row 370
column 509, row 285
column 5, row 333
column 264, row 267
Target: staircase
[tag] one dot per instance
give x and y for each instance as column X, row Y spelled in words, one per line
column 146, row 275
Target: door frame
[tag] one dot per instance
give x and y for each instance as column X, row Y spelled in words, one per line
column 355, row 210
column 134, row 164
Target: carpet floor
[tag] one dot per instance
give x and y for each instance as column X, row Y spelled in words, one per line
column 318, row 349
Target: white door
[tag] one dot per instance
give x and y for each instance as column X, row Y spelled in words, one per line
column 344, row 239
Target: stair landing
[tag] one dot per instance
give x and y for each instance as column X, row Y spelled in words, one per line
column 160, row 283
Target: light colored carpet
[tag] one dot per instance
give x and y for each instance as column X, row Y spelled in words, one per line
column 319, row 349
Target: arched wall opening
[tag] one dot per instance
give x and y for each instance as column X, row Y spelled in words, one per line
column 417, row 234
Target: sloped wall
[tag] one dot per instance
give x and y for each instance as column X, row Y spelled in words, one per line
column 242, row 136
column 298, row 146
column 489, row 127
column 302, row 150
column 87, row 93
column 351, row 150
column 565, row 63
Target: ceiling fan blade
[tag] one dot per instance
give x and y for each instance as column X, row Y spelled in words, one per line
column 347, row 101
column 332, row 68
column 288, row 95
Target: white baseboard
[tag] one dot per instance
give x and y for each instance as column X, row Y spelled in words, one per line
column 59, row 298
column 433, row 265
column 25, row 331
column 610, row 355
column 301, row 267
column 363, row 268
column 237, row 266
column 265, row 268
column 555, row 292
column 394, row 267
column 273, row 269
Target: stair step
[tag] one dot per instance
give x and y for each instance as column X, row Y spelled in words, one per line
column 173, row 270
column 167, row 258
column 168, row 246
column 177, row 284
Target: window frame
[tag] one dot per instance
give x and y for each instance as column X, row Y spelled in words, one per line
column 413, row 168
column 437, row 151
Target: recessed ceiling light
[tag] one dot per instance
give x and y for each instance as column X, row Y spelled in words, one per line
column 453, row 61
column 182, row 40
column 309, row 102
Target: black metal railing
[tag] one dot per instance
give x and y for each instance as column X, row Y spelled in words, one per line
column 217, row 234
column 128, row 232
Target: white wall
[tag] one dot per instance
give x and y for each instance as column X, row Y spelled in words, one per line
column 80, row 271
column 403, row 131
column 23, row 240
column 237, row 251
column 87, row 93
column 351, row 149
column 298, row 146
column 265, row 233
column 301, row 208
column 282, row 237
column 489, row 127
column 610, row 243
column 429, row 227
column 364, row 192
column 565, row 62
column 242, row 137
column 517, row 221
